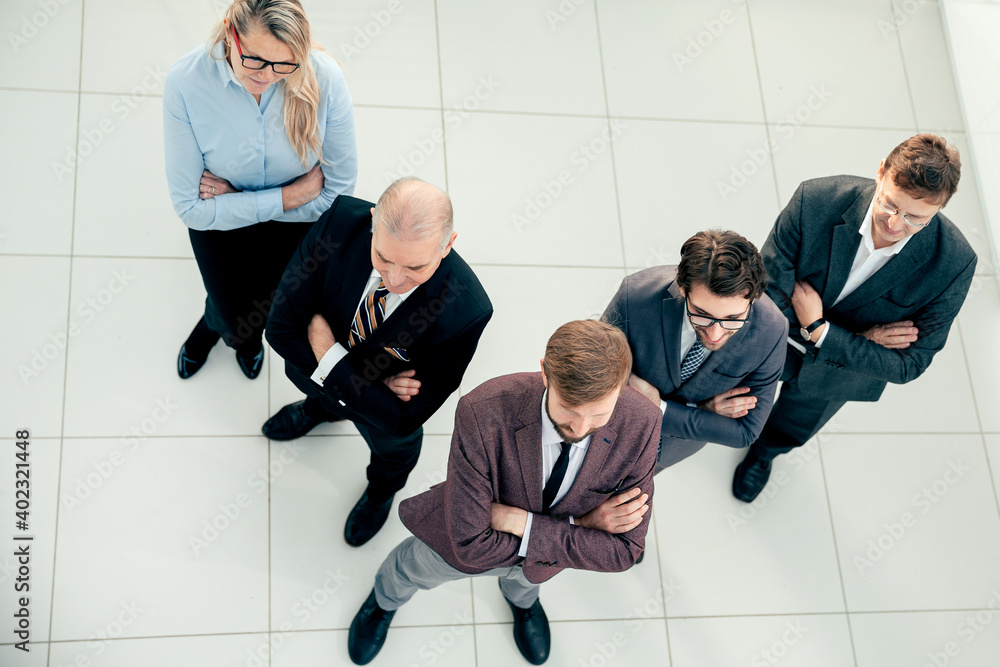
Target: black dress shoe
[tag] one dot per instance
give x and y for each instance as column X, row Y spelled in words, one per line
column 251, row 365
column 531, row 632
column 368, row 631
column 750, row 478
column 290, row 423
column 188, row 365
column 366, row 519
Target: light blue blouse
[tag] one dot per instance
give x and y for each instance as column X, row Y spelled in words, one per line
column 210, row 121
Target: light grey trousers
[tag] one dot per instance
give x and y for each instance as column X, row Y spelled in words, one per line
column 413, row 566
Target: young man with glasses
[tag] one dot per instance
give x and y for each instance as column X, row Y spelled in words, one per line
column 708, row 346
column 870, row 276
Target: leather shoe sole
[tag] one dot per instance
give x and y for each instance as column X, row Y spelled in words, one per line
column 368, row 631
column 531, row 632
column 366, row 519
column 290, row 422
column 251, row 366
column 750, row 479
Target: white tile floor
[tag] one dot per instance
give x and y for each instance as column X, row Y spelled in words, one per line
column 169, row 532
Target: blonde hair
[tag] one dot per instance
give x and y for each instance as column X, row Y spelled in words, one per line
column 286, row 21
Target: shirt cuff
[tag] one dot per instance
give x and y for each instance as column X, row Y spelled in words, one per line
column 523, row 551
column 822, row 337
column 326, row 364
column 663, row 407
column 269, row 204
column 571, row 522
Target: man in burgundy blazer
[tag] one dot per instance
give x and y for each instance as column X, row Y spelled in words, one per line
column 489, row 517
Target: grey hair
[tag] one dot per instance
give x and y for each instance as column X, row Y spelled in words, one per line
column 411, row 209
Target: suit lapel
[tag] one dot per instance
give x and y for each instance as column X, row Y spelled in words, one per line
column 529, row 447
column 844, row 246
column 673, row 314
column 600, row 446
column 359, row 270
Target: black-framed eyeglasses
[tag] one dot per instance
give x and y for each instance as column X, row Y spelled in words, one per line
column 704, row 321
column 894, row 211
column 259, row 63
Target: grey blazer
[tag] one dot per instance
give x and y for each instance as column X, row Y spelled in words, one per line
column 815, row 239
column 650, row 310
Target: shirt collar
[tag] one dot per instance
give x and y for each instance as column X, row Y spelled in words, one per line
column 549, row 434
column 226, row 74
column 866, row 236
column 375, row 275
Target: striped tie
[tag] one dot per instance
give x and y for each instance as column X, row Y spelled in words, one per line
column 692, row 360
column 370, row 314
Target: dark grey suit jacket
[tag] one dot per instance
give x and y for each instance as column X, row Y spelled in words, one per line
column 815, row 239
column 650, row 310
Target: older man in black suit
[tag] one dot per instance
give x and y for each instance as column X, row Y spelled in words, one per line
column 377, row 319
column 870, row 276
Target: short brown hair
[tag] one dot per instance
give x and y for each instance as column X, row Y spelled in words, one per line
column 587, row 360
column 925, row 167
column 724, row 262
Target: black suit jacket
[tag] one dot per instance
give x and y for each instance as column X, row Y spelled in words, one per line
column 438, row 325
column 815, row 239
column 650, row 310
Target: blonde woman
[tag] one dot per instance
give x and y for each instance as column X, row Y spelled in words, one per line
column 259, row 141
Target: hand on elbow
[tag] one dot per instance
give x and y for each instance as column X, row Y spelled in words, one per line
column 303, row 189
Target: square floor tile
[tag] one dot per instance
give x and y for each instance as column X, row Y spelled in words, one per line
column 523, row 295
column 40, row 129
column 388, row 51
column 978, row 320
column 534, row 190
column 122, row 203
column 913, row 508
column 939, row 401
column 971, row 30
column 993, row 452
column 959, row 638
column 133, row 316
column 846, row 69
column 612, row 643
column 773, row 556
column 447, row 646
column 178, row 27
column 37, row 655
column 796, row 641
column 398, row 142
column 44, row 40
column 37, row 487
column 322, row 587
column 521, row 56
column 246, row 649
column 730, row 186
column 35, row 340
column 928, row 66
column 171, row 540
column 680, row 60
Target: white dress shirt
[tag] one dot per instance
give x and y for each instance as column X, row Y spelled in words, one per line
column 688, row 336
column 551, row 449
column 338, row 351
column 867, row 261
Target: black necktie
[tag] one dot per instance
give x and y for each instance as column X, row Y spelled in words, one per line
column 556, row 478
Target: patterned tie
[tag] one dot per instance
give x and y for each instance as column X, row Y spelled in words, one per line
column 370, row 314
column 692, row 360
column 556, row 478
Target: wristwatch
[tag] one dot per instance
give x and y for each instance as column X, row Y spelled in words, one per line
column 807, row 331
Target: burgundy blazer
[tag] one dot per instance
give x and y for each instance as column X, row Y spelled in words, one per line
column 496, row 456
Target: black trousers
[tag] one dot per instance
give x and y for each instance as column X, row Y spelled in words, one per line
column 392, row 457
column 241, row 269
column 795, row 416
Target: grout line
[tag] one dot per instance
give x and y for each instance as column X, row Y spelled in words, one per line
column 66, row 351
column 663, row 600
column 763, row 107
column 836, row 553
column 906, row 72
column 444, row 132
